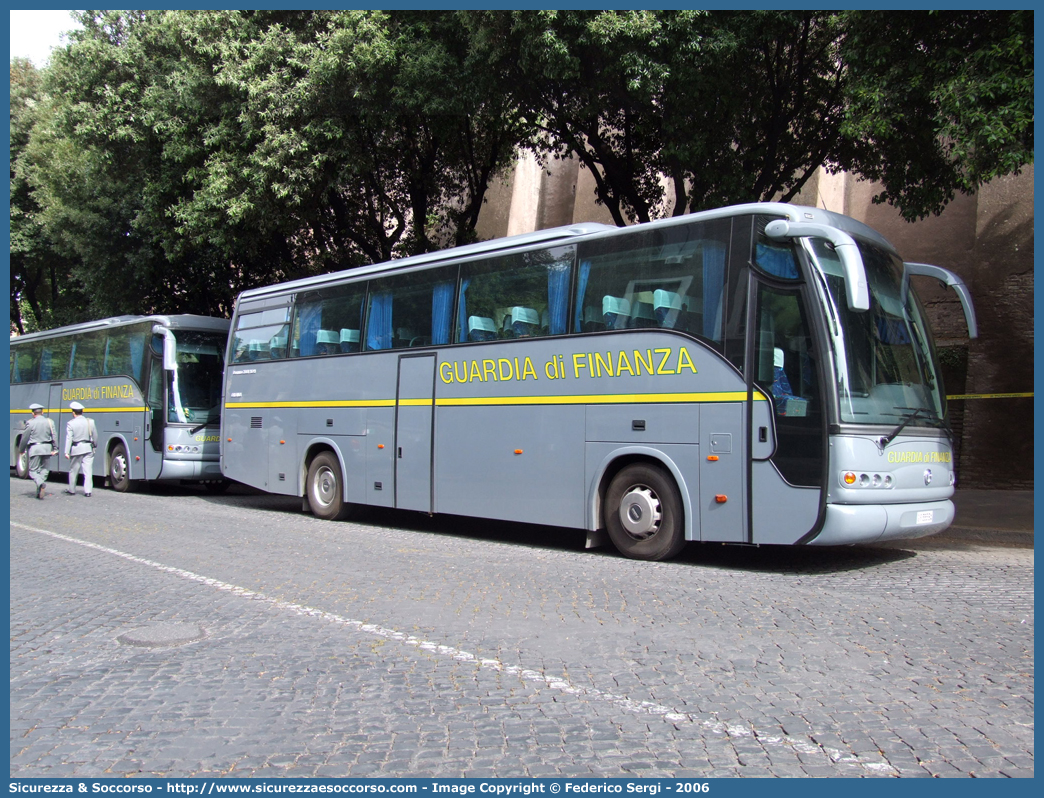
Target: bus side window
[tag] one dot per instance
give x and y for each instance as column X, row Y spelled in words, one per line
column 410, row 310
column 322, row 318
column 670, row 279
column 54, row 360
column 117, row 353
column 25, row 362
column 524, row 295
column 88, row 352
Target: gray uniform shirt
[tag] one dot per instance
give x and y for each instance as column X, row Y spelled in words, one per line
column 81, row 436
column 39, row 430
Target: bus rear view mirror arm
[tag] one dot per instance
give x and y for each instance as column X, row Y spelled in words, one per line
column 856, row 288
column 170, row 360
column 946, row 277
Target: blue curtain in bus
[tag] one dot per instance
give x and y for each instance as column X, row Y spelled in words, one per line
column 137, row 353
column 581, row 289
column 558, row 297
column 713, row 288
column 379, row 330
column 777, row 262
column 890, row 330
column 441, row 312
column 311, row 319
column 462, row 311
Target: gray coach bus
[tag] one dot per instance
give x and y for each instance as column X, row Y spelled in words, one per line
column 756, row 374
column 151, row 383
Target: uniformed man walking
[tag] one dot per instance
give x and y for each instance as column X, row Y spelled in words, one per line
column 40, row 439
column 81, row 439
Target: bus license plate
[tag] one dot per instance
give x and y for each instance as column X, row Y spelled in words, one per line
column 925, row 517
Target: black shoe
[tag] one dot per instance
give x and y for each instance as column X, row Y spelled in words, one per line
column 39, row 491
column 71, row 492
column 87, row 495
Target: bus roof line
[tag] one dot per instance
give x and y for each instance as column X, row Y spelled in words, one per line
column 586, row 230
column 173, row 321
column 492, row 246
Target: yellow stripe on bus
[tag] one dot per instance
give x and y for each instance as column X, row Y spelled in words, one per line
column 588, row 399
column 596, row 399
column 87, row 410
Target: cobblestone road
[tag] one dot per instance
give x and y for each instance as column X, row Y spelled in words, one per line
column 398, row 645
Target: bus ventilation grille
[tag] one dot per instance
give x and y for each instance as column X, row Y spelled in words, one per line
column 255, row 422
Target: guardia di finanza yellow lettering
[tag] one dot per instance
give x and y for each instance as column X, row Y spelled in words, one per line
column 633, row 363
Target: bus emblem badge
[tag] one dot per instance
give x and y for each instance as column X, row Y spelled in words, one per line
column 927, row 476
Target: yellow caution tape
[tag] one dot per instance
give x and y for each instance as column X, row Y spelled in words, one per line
column 990, row 396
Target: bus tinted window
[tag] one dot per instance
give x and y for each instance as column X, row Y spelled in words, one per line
column 328, row 321
column 54, row 359
column 25, row 362
column 411, row 310
column 125, row 352
column 88, row 353
column 517, row 296
column 774, row 257
column 668, row 279
column 261, row 336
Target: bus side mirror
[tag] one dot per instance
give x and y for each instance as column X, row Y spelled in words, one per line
column 948, row 278
column 856, row 287
column 170, row 358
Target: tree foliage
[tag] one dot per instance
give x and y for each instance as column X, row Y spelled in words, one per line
column 166, row 160
column 675, row 112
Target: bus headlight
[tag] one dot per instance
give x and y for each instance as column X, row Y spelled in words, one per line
column 183, row 448
column 850, row 479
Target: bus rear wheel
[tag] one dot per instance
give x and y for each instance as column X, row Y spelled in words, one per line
column 643, row 513
column 119, row 470
column 326, row 488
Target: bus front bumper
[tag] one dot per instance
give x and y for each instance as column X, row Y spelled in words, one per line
column 854, row 523
column 191, row 470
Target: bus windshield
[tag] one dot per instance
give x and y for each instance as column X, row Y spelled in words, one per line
column 885, row 358
column 194, row 389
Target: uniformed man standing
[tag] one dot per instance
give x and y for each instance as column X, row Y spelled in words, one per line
column 41, row 440
column 81, row 439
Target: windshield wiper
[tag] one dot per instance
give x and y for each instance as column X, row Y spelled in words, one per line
column 887, row 439
column 210, row 419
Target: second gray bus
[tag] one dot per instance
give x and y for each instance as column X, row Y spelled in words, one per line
column 151, row 383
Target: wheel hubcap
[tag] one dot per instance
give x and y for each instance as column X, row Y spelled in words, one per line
column 640, row 513
column 325, row 487
column 119, row 469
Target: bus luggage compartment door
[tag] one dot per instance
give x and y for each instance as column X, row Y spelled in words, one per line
column 413, row 428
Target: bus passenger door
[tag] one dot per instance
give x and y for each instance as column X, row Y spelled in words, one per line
column 154, row 421
column 788, row 430
column 413, row 431
column 54, row 411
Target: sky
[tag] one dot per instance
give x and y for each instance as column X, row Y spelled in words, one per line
column 34, row 33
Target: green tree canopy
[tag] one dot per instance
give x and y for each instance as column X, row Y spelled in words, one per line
column 678, row 111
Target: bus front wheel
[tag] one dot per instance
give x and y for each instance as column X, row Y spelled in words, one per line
column 643, row 513
column 22, row 465
column 326, row 488
column 119, row 469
